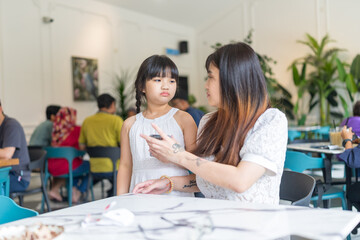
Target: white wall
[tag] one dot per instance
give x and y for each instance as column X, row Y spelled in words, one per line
column 35, row 57
column 278, row 24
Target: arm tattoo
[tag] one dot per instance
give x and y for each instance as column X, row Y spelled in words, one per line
column 177, row 148
column 198, row 161
column 192, row 183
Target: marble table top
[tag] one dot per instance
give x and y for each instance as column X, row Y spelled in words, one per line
column 168, row 217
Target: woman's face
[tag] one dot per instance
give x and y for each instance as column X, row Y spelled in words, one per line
column 212, row 86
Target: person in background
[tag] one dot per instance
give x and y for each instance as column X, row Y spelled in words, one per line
column 181, row 102
column 241, row 147
column 102, row 129
column 354, row 121
column 66, row 134
column 156, row 84
column 13, row 145
column 42, row 133
column 131, row 112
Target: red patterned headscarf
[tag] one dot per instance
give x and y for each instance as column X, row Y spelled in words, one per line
column 64, row 123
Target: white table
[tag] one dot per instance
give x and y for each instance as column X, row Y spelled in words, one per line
column 312, row 147
column 166, row 217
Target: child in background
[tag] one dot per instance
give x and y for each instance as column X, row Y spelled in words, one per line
column 156, row 82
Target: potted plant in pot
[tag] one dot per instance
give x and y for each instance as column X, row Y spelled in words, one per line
column 321, row 81
column 123, row 91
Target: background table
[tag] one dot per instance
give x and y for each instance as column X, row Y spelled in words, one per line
column 167, row 217
column 9, row 162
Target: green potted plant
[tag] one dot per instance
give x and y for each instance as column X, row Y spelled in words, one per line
column 123, row 92
column 351, row 79
column 320, row 81
column 279, row 96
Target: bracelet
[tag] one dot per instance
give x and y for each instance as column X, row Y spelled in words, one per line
column 170, row 182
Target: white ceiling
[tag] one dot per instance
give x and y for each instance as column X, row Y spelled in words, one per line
column 191, row 13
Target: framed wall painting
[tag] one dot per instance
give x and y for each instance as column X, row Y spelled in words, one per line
column 85, row 78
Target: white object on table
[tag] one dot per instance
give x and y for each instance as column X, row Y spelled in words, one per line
column 171, row 217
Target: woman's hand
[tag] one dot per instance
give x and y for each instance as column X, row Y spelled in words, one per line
column 166, row 149
column 156, row 186
column 346, row 133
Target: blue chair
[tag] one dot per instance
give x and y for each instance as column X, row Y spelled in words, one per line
column 4, row 181
column 299, row 162
column 10, row 211
column 292, row 134
column 322, row 133
column 69, row 153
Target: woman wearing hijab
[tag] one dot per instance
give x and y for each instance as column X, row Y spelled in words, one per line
column 66, row 134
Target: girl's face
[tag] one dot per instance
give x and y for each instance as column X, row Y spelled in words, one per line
column 212, row 86
column 160, row 90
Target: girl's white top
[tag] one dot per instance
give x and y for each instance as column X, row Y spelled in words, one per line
column 265, row 145
column 146, row 167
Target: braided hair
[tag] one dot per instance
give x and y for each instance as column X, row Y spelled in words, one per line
column 153, row 66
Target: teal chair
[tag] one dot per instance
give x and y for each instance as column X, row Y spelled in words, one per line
column 10, row 211
column 4, row 181
column 299, row 162
column 69, row 153
column 292, row 134
column 322, row 133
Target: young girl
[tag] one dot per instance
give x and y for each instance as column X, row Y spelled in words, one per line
column 156, row 82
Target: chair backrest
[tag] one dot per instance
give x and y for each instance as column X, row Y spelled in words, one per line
column 292, row 134
column 322, row 132
column 4, row 181
column 10, row 211
column 105, row 152
column 297, row 188
column 37, row 158
column 299, row 162
column 63, row 152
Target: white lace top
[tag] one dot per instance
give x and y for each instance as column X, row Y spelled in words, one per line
column 265, row 144
column 146, row 167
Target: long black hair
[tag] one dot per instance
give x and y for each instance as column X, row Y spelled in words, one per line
column 243, row 98
column 153, row 66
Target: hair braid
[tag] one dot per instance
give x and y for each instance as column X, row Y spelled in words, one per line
column 138, row 100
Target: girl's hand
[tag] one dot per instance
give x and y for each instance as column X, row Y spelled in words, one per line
column 156, row 186
column 166, row 150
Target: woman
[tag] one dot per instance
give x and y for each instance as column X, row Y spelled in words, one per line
column 353, row 122
column 240, row 148
column 66, row 134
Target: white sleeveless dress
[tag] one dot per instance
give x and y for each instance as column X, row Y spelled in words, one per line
column 146, row 167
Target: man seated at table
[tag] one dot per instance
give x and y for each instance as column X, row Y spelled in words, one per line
column 181, row 102
column 13, row 145
column 351, row 156
column 102, row 129
column 42, row 133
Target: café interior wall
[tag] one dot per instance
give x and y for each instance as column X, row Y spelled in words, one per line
column 35, row 57
column 278, row 24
